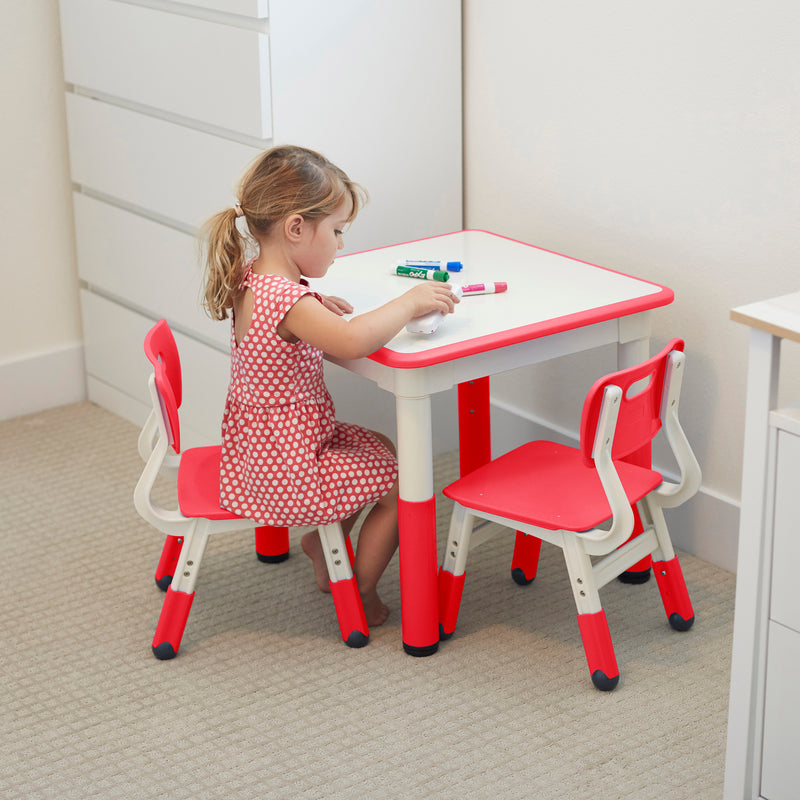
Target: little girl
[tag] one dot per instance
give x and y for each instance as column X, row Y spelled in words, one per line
column 286, row 461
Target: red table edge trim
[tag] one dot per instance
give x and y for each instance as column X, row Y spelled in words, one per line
column 525, row 333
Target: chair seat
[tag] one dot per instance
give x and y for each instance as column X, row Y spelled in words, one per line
column 547, row 484
column 198, row 484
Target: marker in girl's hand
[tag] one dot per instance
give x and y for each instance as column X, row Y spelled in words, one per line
column 485, row 288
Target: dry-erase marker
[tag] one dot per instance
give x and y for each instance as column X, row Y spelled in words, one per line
column 422, row 273
column 450, row 266
column 485, row 288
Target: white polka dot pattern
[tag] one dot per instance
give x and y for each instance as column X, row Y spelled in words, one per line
column 285, row 459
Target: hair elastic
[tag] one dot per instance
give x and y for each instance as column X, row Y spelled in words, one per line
column 237, row 207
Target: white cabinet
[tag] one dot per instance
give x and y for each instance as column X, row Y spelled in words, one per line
column 780, row 767
column 168, row 102
column 764, row 712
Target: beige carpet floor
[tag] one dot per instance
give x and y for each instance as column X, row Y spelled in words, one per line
column 264, row 700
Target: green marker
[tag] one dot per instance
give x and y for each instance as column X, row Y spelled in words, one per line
column 423, row 274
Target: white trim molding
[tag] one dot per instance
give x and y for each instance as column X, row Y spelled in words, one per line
column 42, row 380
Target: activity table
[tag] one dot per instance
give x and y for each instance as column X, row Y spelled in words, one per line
column 555, row 305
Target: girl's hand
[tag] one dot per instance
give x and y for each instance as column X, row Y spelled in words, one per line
column 431, row 296
column 326, row 329
column 337, row 305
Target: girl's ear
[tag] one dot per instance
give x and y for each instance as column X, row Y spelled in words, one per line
column 293, row 227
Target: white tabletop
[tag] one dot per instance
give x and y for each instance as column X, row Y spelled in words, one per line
column 547, row 293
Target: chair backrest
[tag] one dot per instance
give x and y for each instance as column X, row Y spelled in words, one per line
column 639, row 418
column 167, row 405
column 160, row 347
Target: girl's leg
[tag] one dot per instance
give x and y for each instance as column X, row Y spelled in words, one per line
column 377, row 543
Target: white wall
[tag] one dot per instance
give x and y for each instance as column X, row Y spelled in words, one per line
column 660, row 139
column 41, row 362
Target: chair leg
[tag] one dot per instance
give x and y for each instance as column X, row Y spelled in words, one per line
column 674, row 594
column 599, row 650
column 640, row 571
column 592, row 622
column 272, row 544
column 669, row 576
column 344, row 589
column 180, row 595
column 452, row 573
column 171, row 624
column 169, row 558
column 525, row 561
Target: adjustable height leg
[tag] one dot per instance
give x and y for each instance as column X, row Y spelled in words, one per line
column 169, row 558
column 180, row 595
column 452, row 573
column 674, row 594
column 344, row 589
column 525, row 561
column 272, row 544
column 592, row 622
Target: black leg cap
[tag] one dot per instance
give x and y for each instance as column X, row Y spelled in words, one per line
column 602, row 682
column 519, row 577
column 164, row 651
column 679, row 623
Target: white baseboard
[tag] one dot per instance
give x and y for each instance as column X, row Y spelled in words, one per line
column 707, row 526
column 42, row 380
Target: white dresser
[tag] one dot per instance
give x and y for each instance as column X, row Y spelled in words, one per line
column 167, row 102
column 764, row 715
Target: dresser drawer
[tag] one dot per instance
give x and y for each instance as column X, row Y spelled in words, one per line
column 780, row 768
column 247, row 8
column 215, row 73
column 150, row 265
column 113, row 339
column 171, row 170
column 785, row 599
column 114, row 349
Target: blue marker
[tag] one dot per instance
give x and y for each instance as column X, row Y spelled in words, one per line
column 449, row 266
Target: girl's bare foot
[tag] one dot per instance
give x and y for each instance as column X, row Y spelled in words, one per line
column 375, row 610
column 312, row 547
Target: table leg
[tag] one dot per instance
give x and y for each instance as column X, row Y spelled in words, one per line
column 417, row 522
column 475, row 450
column 474, row 425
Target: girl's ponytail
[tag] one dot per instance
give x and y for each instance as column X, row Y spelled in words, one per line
column 224, row 259
column 282, row 181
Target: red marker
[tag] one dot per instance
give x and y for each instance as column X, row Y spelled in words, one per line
column 485, row 288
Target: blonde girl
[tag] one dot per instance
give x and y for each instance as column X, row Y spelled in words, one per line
column 286, row 460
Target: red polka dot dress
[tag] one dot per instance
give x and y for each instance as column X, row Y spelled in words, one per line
column 285, row 459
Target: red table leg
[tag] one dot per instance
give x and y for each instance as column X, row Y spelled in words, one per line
column 474, row 425
column 418, row 571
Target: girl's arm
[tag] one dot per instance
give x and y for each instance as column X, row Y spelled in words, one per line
column 311, row 321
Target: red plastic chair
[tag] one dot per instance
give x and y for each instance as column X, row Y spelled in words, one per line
column 272, row 544
column 580, row 499
column 199, row 515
